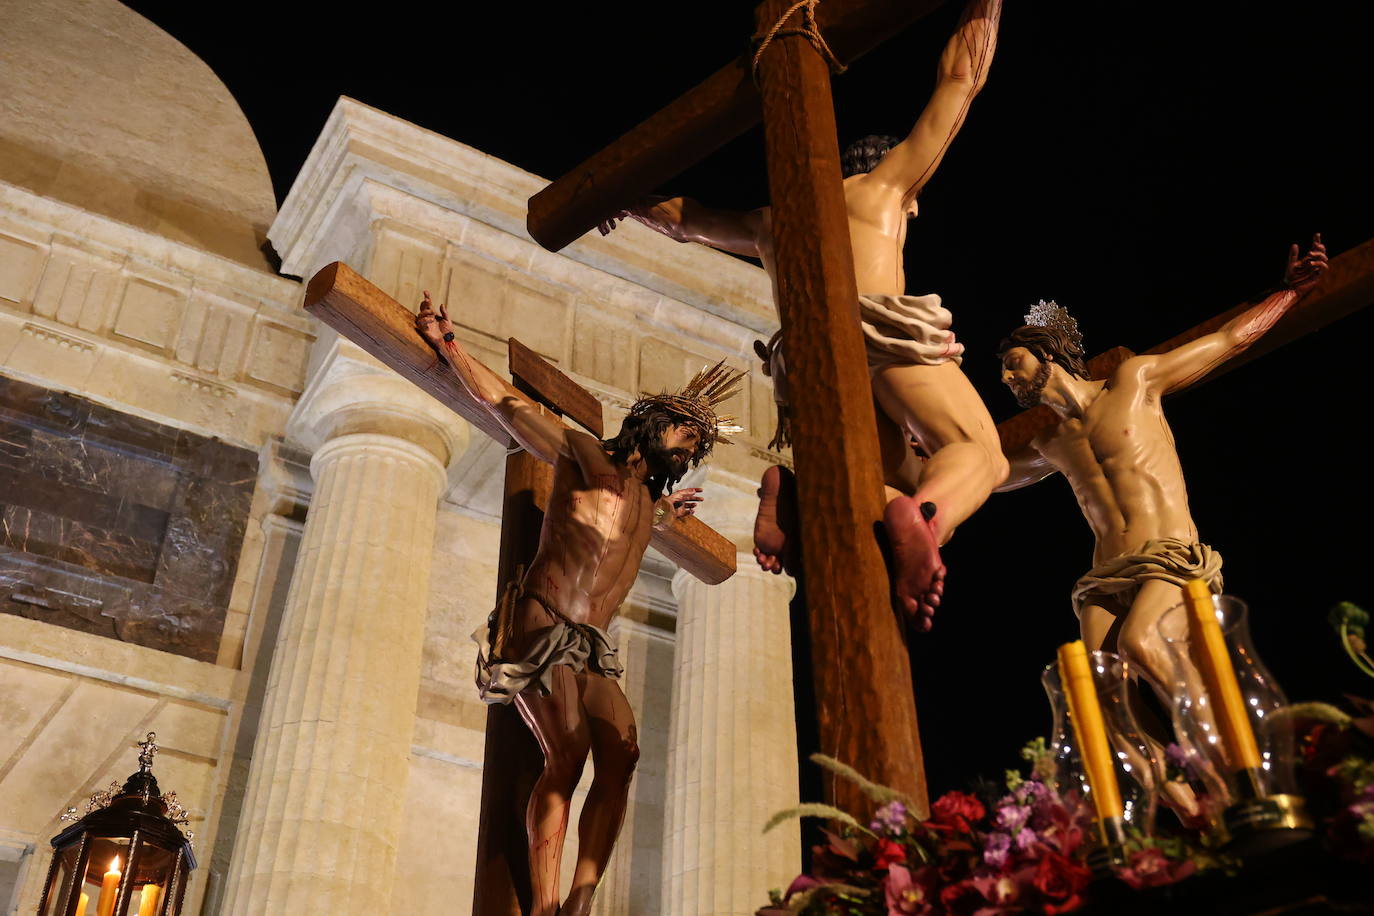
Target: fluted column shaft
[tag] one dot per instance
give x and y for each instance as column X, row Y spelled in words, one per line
column 732, row 759
column 322, row 814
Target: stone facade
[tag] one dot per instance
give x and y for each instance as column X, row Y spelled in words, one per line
column 328, row 742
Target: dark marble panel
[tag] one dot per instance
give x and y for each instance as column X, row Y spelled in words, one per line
column 115, row 525
column 112, row 511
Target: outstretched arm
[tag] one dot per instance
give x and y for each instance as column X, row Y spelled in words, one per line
column 538, row 433
column 963, row 70
column 1184, row 365
column 1028, row 466
column 684, row 220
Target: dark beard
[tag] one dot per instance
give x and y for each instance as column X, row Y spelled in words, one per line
column 1028, row 394
column 670, row 463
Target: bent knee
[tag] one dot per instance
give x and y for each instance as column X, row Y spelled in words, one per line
column 564, row 765
column 998, row 466
column 618, row 763
column 1145, row 649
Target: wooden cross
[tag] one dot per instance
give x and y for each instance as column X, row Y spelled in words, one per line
column 512, row 760
column 866, row 708
column 385, row 329
column 1347, row 286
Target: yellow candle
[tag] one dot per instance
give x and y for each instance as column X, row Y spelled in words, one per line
column 147, row 906
column 108, row 889
column 81, row 905
column 1088, row 728
column 1209, row 652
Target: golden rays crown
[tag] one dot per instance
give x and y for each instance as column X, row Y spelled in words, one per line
column 696, row 401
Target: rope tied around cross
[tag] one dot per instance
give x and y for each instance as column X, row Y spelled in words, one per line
column 808, row 30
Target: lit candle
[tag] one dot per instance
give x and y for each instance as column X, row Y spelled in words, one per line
column 147, row 906
column 1209, row 652
column 109, row 888
column 81, row 905
column 1088, row 728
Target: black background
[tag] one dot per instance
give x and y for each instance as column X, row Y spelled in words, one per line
column 1144, row 163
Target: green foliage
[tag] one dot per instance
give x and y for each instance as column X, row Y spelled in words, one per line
column 1350, row 616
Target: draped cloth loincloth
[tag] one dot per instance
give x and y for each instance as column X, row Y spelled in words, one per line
column 1167, row 559
column 578, row 645
column 898, row 331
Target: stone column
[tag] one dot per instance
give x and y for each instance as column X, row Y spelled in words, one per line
column 322, row 815
column 732, row 753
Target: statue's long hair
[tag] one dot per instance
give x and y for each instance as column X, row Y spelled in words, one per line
column 644, row 433
column 1047, row 343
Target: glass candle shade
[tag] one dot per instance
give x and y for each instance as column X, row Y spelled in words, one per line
column 126, row 856
column 1133, row 764
column 1229, row 714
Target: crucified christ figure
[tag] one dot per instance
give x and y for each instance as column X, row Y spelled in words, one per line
column 546, row 647
column 913, row 357
column 1114, row 446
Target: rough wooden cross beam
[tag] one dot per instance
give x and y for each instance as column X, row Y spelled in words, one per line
column 1347, row 286
column 865, row 703
column 384, row 328
column 697, row 124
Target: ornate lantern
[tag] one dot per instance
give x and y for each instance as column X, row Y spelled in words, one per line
column 125, row 856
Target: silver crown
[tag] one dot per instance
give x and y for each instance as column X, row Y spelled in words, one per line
column 1053, row 315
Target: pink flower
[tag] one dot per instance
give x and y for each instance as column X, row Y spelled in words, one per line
column 1026, row 839
column 904, row 895
column 998, row 890
column 1152, row 868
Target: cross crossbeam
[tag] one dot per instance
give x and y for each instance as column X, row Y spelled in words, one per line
column 385, row 329
column 697, row 124
column 1346, row 287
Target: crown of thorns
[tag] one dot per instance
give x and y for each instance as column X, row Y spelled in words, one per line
column 1053, row 315
column 696, row 402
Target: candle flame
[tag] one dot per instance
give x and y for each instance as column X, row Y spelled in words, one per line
column 114, row 865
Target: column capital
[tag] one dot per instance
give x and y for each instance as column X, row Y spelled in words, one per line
column 350, row 393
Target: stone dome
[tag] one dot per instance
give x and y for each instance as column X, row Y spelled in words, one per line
column 101, row 109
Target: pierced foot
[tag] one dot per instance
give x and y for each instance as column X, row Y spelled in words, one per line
column 918, row 575
column 775, row 527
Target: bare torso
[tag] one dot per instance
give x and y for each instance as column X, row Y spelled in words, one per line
column 1120, row 459
column 877, row 233
column 594, row 536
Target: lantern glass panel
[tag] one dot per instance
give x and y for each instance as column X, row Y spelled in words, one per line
column 61, row 877
column 105, row 867
column 152, row 872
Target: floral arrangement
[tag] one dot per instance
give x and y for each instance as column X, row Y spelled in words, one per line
column 1025, row 851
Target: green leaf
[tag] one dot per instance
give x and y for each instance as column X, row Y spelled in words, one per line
column 1352, row 616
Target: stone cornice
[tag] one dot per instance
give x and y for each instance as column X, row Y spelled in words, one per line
column 361, row 144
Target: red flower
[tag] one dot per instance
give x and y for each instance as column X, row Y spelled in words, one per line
column 889, row 853
column 1152, row 868
column 962, row 898
column 1060, row 879
column 956, row 811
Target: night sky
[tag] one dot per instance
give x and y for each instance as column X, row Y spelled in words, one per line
column 1146, row 166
